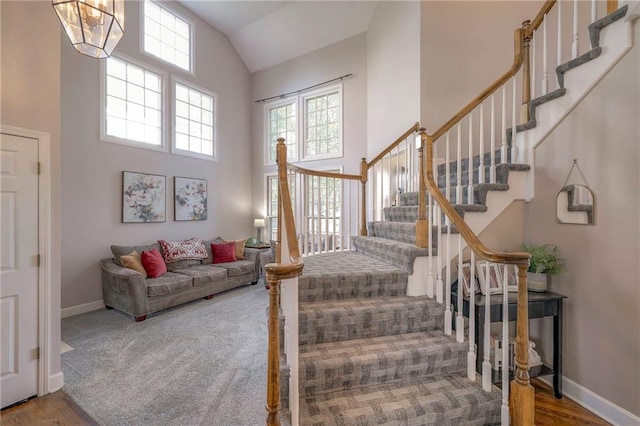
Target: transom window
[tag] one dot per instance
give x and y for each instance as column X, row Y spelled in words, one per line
column 167, row 36
column 195, row 111
column 319, row 124
column 133, row 103
column 282, row 122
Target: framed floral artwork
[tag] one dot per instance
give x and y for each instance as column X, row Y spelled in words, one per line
column 489, row 277
column 190, row 198
column 466, row 279
column 143, row 197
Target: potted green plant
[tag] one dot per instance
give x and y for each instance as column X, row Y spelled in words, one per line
column 545, row 261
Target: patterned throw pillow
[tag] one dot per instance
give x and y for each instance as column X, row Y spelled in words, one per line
column 192, row 249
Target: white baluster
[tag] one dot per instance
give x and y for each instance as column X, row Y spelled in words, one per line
column 439, row 284
column 447, row 167
column 333, row 217
column 470, row 161
column 559, row 6
column 492, row 168
column 481, row 165
column 459, row 318
column 430, row 281
column 447, row 309
column 459, row 167
column 515, row 127
column 326, row 214
column 593, row 11
column 574, row 44
column 545, row 71
column 471, row 355
column 398, row 193
column 505, row 348
column 503, row 145
column 486, row 364
column 319, row 219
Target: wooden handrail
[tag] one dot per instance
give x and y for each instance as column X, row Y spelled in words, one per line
column 537, row 21
column 397, row 142
column 612, row 6
column 320, row 173
column 517, row 63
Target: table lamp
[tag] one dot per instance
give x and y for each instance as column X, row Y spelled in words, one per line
column 258, row 224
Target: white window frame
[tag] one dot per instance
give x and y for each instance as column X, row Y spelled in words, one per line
column 164, row 5
column 303, row 124
column 163, row 106
column 267, row 142
column 174, row 149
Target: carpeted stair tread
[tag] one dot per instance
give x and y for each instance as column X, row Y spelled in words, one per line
column 396, row 253
column 337, row 366
column 406, row 213
column 443, row 400
column 333, row 321
column 502, row 175
column 347, row 275
column 404, row 232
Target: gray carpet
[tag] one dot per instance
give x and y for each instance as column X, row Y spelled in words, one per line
column 202, row 363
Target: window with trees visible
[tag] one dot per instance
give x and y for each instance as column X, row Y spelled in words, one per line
column 272, row 203
column 282, row 122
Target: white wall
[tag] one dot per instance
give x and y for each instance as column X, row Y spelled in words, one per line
column 92, row 169
column 30, row 94
column 393, row 73
column 465, row 46
column 602, row 309
column 345, row 57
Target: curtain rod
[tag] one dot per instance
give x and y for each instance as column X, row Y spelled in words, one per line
column 284, row 95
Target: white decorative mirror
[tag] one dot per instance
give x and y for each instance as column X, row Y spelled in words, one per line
column 575, row 204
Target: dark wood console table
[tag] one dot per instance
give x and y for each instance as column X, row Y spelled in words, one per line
column 541, row 305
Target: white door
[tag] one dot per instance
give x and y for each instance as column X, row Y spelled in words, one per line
column 18, row 268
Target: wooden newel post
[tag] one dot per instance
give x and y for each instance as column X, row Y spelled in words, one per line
column 522, row 394
column 422, row 225
column 526, row 74
column 363, row 207
column 273, row 361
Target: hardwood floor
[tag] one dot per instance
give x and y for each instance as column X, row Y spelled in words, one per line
column 57, row 408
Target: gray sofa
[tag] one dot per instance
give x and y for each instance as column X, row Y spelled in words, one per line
column 128, row 291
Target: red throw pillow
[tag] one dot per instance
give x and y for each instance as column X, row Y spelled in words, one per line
column 223, row 253
column 153, row 263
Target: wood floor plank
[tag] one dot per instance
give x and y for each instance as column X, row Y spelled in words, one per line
column 54, row 409
column 57, row 408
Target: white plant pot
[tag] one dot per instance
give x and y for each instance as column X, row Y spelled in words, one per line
column 537, row 282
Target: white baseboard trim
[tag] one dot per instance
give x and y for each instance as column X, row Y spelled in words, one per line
column 81, row 309
column 55, row 382
column 595, row 403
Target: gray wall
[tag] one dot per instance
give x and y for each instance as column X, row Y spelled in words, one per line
column 345, row 57
column 393, row 73
column 92, row 169
column 602, row 311
column 30, row 47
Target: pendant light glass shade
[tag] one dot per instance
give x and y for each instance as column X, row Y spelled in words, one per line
column 94, row 26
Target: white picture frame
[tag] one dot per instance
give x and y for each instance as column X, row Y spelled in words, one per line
column 510, row 279
column 494, row 284
column 466, row 279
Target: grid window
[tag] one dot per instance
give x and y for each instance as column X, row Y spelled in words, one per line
column 133, row 103
column 323, row 124
column 282, row 122
column 167, row 36
column 194, row 121
column 272, row 202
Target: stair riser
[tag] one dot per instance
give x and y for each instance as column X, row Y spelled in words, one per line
column 502, row 176
column 315, row 288
column 404, row 232
column 333, row 325
column 464, row 163
column 338, row 371
column 400, row 256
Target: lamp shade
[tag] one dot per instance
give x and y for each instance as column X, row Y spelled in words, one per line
column 94, row 26
column 258, row 223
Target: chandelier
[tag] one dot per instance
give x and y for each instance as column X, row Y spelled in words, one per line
column 93, row 26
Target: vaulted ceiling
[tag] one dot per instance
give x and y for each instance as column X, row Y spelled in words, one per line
column 266, row 33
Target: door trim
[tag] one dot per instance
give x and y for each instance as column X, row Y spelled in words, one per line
column 45, row 320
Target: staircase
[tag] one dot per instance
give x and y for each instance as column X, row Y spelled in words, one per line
column 368, row 353
column 371, row 355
